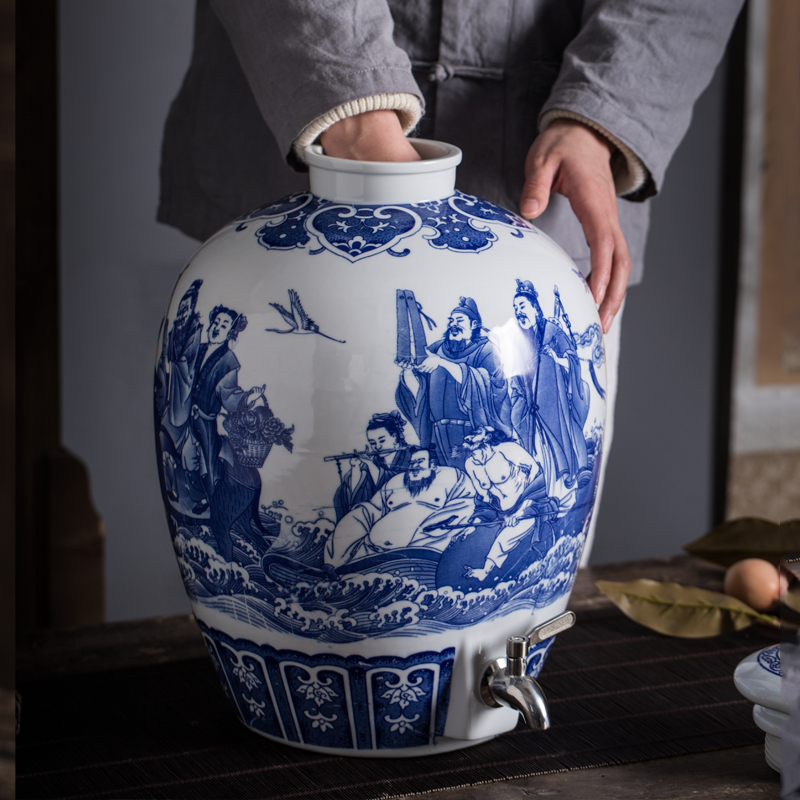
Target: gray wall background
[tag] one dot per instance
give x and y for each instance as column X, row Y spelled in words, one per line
column 121, row 64
column 658, row 493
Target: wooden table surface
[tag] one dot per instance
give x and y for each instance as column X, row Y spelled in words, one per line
column 734, row 773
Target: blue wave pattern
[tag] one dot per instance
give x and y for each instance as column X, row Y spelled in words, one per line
column 460, row 223
column 360, row 606
column 770, row 659
column 326, row 700
column 537, row 655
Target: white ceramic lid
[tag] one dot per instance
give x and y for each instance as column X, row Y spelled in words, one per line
column 772, row 751
column 758, row 678
column 769, row 720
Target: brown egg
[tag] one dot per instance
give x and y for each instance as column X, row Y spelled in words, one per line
column 753, row 581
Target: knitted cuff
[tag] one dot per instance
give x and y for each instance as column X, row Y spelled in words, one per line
column 629, row 172
column 407, row 106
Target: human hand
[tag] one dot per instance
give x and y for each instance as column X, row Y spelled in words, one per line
column 560, row 360
column 256, row 393
column 371, row 136
column 571, row 159
column 479, row 573
column 431, row 363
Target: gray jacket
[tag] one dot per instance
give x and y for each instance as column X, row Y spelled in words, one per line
column 486, row 70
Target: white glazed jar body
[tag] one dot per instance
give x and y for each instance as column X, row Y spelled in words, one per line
column 379, row 409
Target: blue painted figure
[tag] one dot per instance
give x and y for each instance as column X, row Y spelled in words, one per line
column 386, row 455
column 174, row 378
column 225, row 485
column 209, row 478
column 215, row 387
column 549, row 398
column 513, row 518
column 460, row 387
column 421, row 508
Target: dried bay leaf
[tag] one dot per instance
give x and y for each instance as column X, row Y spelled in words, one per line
column 683, row 611
column 747, row 537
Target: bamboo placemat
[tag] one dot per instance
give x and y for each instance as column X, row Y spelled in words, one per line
column 617, row 694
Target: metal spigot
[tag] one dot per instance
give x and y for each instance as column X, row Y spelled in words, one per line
column 506, row 681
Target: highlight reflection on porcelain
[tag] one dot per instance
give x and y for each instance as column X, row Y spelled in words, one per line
column 379, row 431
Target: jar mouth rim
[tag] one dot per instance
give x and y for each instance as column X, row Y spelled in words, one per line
column 436, row 157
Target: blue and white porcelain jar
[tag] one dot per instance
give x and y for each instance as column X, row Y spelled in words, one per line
column 760, row 679
column 379, row 410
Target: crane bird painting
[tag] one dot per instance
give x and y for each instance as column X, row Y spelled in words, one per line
column 297, row 319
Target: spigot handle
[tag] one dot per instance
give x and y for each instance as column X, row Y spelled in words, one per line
column 516, row 655
column 550, row 628
column 516, row 647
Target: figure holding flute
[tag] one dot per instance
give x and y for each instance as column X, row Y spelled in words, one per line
column 385, row 456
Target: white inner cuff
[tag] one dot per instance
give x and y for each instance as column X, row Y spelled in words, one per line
column 407, row 106
column 628, row 170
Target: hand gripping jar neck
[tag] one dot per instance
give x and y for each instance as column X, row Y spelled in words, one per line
column 379, row 182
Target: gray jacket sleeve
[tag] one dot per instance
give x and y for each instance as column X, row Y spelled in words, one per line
column 637, row 67
column 303, row 59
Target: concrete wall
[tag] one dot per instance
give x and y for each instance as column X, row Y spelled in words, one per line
column 121, row 65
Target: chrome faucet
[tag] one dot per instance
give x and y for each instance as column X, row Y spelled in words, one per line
column 506, row 681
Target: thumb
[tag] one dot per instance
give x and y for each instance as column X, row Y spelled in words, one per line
column 540, row 173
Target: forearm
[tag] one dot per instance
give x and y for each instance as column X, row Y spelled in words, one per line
column 634, row 72
column 311, row 64
column 370, row 136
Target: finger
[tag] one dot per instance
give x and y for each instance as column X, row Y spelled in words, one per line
column 596, row 210
column 617, row 286
column 610, row 263
column 600, row 238
column 540, row 172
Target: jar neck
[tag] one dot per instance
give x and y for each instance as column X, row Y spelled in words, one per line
column 380, row 182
